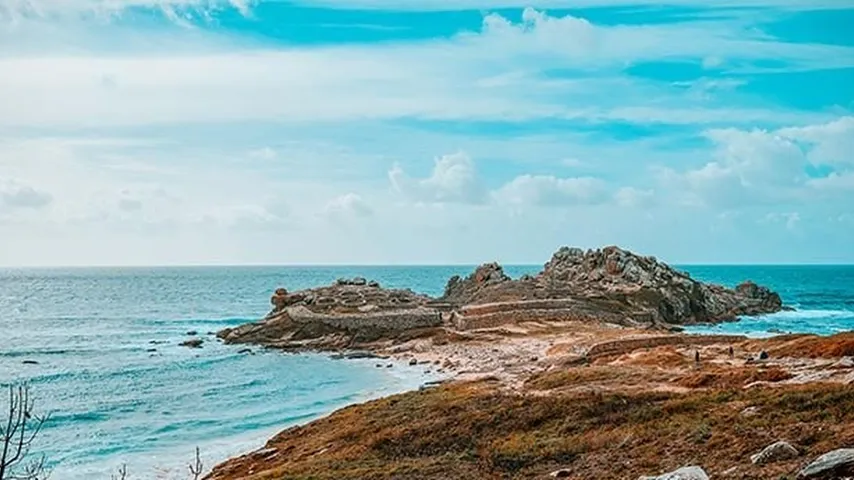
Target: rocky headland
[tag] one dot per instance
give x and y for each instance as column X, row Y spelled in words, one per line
column 606, row 285
column 577, row 372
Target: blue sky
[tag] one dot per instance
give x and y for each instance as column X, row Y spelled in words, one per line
column 150, row 132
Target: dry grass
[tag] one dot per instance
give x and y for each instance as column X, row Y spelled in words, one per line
column 732, row 377
column 808, row 346
column 473, row 431
column 638, row 413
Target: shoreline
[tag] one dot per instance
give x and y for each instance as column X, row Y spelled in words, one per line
column 597, row 323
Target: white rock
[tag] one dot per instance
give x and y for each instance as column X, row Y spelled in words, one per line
column 776, row 452
column 684, row 473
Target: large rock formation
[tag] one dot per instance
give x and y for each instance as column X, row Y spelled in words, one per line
column 609, row 283
column 345, row 314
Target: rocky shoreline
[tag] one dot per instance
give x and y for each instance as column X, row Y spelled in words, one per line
column 606, row 285
column 576, row 372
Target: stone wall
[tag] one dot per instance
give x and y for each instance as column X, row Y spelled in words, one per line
column 498, row 318
column 619, row 347
column 395, row 320
column 503, row 307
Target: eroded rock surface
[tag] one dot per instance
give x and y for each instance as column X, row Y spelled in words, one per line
column 833, row 465
column 610, row 283
column 347, row 313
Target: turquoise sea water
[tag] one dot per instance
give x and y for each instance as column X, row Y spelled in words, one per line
column 114, row 400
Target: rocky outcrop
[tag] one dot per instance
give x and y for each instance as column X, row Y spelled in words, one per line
column 347, row 313
column 776, row 452
column 610, row 284
column 837, row 464
column 462, row 291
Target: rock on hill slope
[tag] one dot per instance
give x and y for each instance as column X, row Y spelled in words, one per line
column 613, row 281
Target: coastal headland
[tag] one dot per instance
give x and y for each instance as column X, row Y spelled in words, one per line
column 580, row 371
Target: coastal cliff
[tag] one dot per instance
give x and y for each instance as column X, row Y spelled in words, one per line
column 606, row 285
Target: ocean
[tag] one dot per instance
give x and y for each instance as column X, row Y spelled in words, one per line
column 121, row 390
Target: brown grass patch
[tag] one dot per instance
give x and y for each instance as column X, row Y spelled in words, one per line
column 732, row 378
column 840, row 345
column 663, row 357
column 472, row 431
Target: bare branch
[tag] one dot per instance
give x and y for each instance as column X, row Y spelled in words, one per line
column 22, row 428
column 122, row 473
column 197, row 467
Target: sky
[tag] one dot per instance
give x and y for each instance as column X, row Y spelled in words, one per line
column 196, row 132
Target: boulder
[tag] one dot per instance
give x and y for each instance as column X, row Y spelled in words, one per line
column 684, row 473
column 830, row 466
column 776, row 452
column 192, row 343
column 461, row 291
column 562, row 473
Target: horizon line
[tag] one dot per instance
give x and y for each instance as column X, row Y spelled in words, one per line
column 400, row 265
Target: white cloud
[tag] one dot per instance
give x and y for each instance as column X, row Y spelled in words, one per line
column 349, row 205
column 14, row 194
column 265, row 153
column 634, row 197
column 546, row 190
column 830, row 143
column 790, row 220
column 834, row 182
column 445, row 5
column 453, row 180
column 177, row 10
column 432, row 79
column 759, row 166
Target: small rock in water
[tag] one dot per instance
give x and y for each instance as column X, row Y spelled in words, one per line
column 776, row 452
column 151, row 350
column 194, row 343
column 244, row 350
column 192, row 333
column 30, row 362
column 684, row 473
column 389, row 365
column 379, row 365
column 413, row 362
